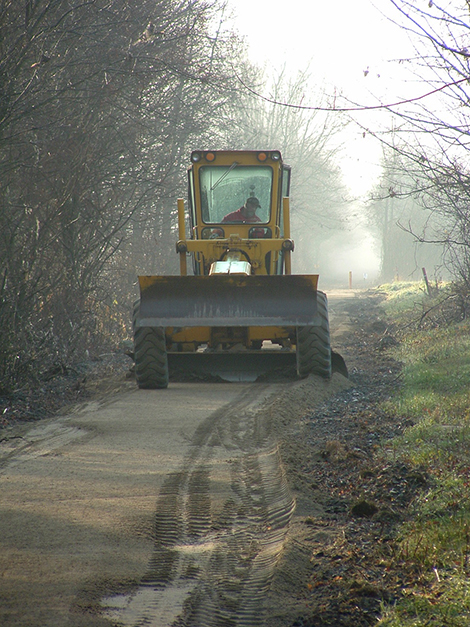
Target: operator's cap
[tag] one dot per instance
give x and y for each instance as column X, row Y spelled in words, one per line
column 252, row 201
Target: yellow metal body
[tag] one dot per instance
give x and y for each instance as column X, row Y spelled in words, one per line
column 238, row 295
column 229, row 178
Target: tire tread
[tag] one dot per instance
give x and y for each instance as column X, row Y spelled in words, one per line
column 313, row 344
column 151, row 359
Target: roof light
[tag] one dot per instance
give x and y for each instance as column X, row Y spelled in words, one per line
column 195, row 157
column 276, row 156
column 262, row 156
column 210, row 156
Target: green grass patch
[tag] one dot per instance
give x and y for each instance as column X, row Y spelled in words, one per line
column 443, row 602
column 434, row 544
column 402, row 297
column 435, row 445
column 436, row 372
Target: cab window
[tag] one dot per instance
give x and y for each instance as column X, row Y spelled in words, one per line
column 224, row 189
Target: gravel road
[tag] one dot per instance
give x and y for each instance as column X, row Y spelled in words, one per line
column 160, row 508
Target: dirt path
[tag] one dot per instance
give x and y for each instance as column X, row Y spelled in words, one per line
column 199, row 505
column 337, row 565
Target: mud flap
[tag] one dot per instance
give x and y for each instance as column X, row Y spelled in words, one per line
column 338, row 364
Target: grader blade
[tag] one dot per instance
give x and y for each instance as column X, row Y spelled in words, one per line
column 232, row 366
column 228, row 301
column 242, row 366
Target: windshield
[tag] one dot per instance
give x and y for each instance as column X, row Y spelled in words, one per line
column 224, row 189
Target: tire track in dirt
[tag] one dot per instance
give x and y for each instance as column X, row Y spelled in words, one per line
column 220, row 524
column 232, row 589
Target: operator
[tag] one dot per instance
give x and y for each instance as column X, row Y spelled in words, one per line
column 247, row 213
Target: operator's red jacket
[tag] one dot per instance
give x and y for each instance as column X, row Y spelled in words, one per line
column 237, row 216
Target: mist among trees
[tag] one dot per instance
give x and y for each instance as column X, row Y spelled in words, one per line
column 426, row 166
column 310, row 144
column 102, row 103
column 396, row 217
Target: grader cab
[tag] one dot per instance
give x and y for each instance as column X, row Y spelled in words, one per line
column 240, row 312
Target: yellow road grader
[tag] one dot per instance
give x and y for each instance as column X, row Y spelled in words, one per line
column 240, row 312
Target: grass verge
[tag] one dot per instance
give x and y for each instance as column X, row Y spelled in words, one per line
column 433, row 545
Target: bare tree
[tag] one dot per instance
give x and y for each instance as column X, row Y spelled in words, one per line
column 100, row 103
column 310, row 143
column 396, row 216
column 434, row 132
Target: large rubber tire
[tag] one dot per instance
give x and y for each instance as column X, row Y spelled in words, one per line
column 150, row 356
column 313, row 344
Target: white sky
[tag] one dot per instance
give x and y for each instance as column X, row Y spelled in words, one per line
column 340, row 40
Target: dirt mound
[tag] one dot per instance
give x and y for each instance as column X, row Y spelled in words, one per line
column 332, row 571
